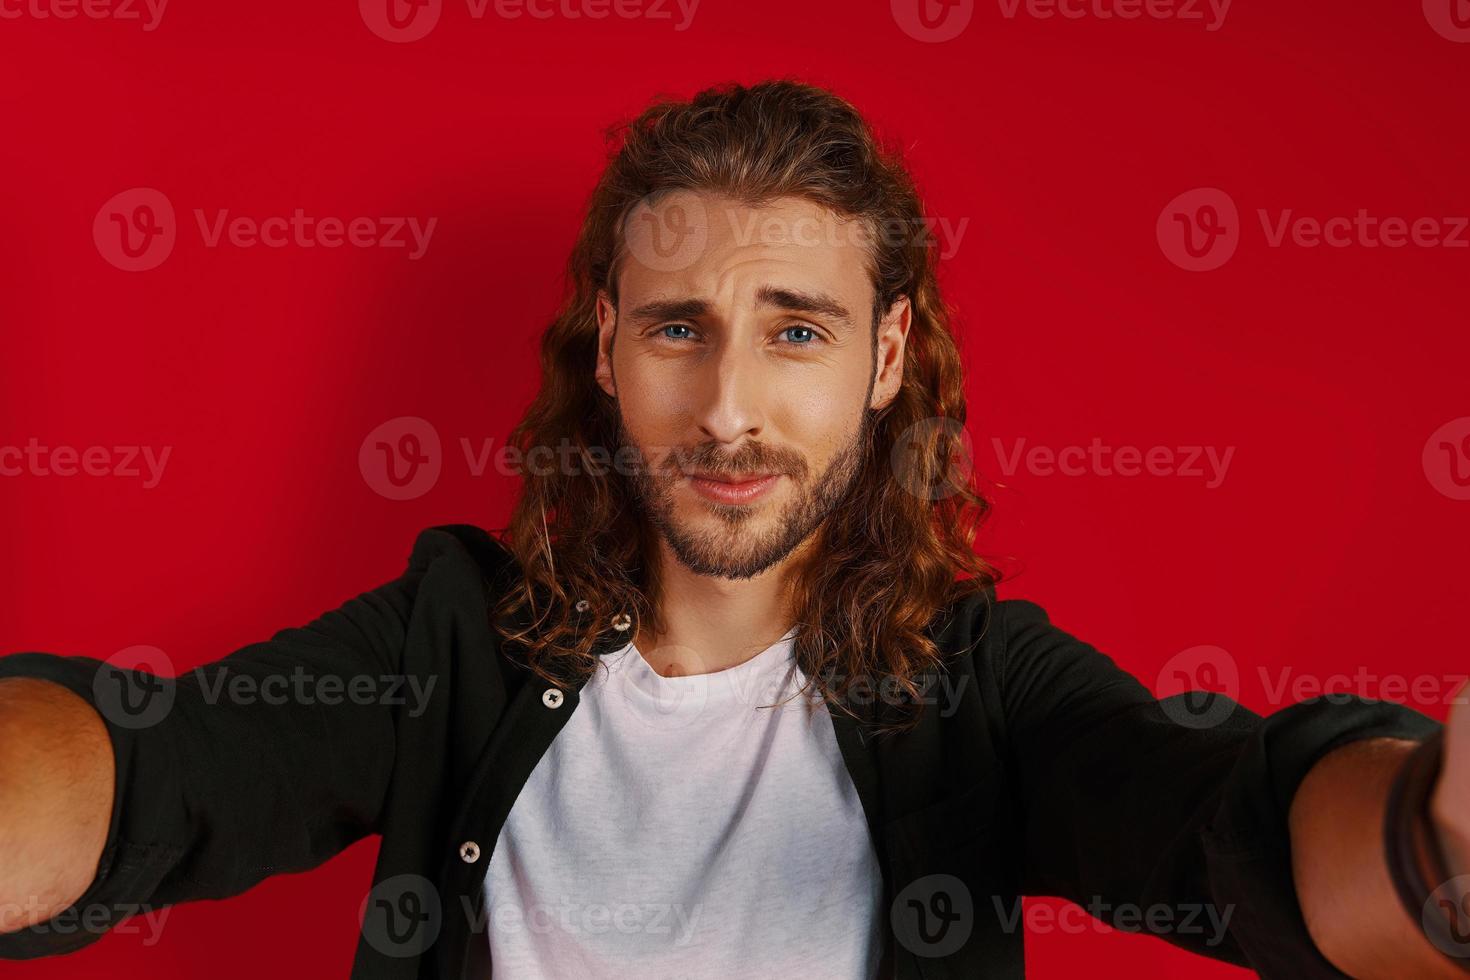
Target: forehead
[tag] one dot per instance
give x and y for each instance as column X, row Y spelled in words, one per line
column 706, row 245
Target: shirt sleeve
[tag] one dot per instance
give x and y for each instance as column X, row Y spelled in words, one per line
column 257, row 764
column 1131, row 803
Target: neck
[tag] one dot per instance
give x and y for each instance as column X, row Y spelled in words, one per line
column 711, row 624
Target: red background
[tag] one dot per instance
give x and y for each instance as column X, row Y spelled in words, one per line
column 1326, row 548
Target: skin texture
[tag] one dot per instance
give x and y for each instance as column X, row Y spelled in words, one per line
column 56, row 786
column 1342, row 879
column 741, row 379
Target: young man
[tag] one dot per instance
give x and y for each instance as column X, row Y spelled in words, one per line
column 734, row 696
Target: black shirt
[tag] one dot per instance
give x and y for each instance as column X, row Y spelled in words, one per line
column 1039, row 768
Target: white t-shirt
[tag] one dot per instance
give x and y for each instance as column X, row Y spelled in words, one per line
column 676, row 829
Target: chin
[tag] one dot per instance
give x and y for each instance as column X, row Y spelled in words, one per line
column 713, row 546
column 707, row 517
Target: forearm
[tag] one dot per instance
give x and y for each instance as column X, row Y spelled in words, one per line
column 1341, row 874
column 56, row 794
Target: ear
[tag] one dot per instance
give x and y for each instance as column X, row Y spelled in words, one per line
column 893, row 333
column 607, row 318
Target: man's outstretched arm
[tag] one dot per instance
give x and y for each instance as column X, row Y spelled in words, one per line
column 56, row 786
column 1187, row 802
column 1338, row 863
column 257, row 764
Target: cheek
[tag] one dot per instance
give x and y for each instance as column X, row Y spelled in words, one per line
column 819, row 416
column 652, row 401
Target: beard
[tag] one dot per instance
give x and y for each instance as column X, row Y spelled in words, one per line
column 739, row 549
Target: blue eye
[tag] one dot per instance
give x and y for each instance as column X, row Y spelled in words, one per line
column 810, row 335
column 675, row 326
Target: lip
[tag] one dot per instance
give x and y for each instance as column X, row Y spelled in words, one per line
column 726, row 492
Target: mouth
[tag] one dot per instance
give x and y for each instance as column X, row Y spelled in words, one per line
column 732, row 488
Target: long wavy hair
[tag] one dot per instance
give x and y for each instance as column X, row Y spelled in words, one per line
column 900, row 547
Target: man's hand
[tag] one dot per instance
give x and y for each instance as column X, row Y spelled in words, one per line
column 56, row 786
column 1347, row 897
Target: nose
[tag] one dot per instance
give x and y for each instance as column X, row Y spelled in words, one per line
column 730, row 395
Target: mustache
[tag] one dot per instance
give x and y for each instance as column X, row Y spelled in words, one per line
column 708, row 457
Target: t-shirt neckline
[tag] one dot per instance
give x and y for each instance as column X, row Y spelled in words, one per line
column 731, row 679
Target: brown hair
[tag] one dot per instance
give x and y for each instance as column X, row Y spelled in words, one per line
column 900, row 547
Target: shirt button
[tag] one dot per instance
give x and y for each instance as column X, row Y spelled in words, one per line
column 552, row 698
column 469, row 852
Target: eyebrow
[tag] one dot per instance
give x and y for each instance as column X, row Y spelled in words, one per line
column 791, row 300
